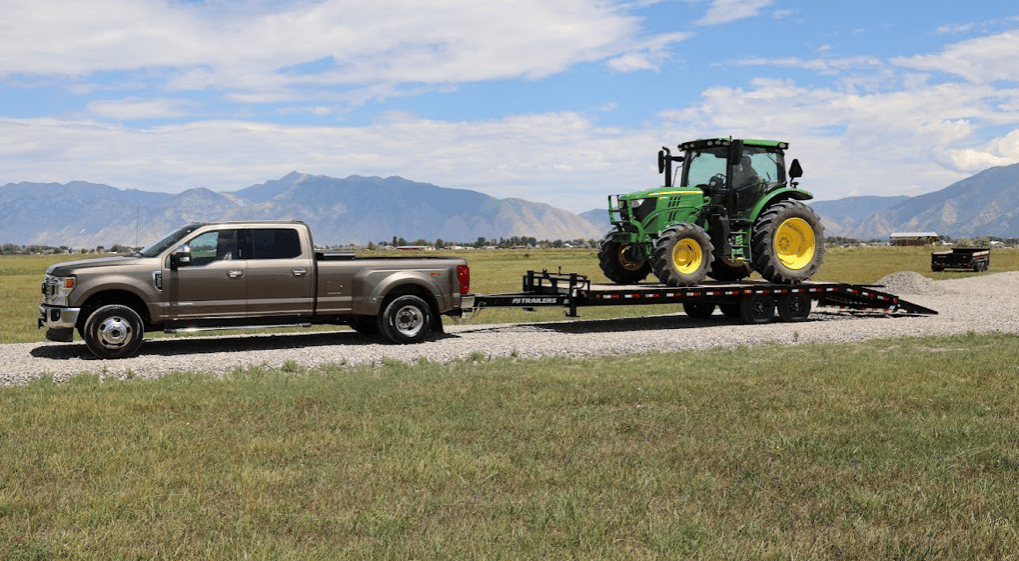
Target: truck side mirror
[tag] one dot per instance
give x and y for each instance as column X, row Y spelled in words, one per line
column 795, row 171
column 180, row 256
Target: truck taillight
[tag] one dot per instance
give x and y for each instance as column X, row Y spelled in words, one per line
column 463, row 272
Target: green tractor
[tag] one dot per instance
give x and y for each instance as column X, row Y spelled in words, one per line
column 734, row 211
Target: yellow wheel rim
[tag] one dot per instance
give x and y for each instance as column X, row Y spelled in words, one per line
column 794, row 243
column 627, row 263
column 687, row 256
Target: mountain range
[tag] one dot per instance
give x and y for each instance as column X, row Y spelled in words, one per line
column 354, row 210
column 358, row 210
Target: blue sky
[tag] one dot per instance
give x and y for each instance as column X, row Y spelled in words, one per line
column 555, row 101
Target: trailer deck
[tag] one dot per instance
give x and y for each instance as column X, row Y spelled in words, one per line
column 754, row 301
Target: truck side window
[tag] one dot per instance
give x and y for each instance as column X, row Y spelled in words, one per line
column 275, row 243
column 218, row 245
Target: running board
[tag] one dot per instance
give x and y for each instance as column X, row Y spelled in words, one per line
column 233, row 327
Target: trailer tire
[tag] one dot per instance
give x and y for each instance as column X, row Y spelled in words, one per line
column 698, row 310
column 616, row 265
column 682, row 255
column 731, row 310
column 793, row 307
column 406, row 319
column 113, row 331
column 757, row 308
column 788, row 242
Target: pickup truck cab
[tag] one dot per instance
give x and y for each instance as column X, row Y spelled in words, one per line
column 245, row 274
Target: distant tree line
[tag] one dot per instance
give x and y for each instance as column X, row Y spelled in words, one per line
column 15, row 249
column 483, row 242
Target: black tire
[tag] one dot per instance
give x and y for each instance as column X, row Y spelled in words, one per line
column 682, row 255
column 725, row 270
column 612, row 258
column 698, row 310
column 113, row 331
column 793, row 307
column 365, row 325
column 757, row 308
column 788, row 243
column 406, row 319
column 730, row 310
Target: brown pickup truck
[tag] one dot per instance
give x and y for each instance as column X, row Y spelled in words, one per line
column 245, row 274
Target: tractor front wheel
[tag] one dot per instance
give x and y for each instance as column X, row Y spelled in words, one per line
column 618, row 263
column 682, row 255
column 788, row 243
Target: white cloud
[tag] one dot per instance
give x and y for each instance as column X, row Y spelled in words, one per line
column 725, row 11
column 286, row 51
column 984, row 59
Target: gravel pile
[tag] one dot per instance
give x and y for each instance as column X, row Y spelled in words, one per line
column 982, row 304
column 909, row 283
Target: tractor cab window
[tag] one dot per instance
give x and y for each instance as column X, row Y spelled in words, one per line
column 700, row 166
column 759, row 165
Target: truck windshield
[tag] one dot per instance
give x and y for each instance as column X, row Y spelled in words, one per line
column 165, row 243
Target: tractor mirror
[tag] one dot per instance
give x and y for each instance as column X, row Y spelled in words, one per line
column 795, row 171
column 735, row 152
column 661, row 160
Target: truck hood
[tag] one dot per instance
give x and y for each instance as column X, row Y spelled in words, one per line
column 71, row 267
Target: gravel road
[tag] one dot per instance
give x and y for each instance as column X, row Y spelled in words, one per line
column 982, row 304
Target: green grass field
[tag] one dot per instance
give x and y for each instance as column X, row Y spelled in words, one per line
column 494, row 272
column 901, row 449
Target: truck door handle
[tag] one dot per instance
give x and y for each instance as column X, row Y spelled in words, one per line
column 235, row 273
column 299, row 272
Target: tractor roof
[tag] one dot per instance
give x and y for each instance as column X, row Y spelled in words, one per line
column 713, row 142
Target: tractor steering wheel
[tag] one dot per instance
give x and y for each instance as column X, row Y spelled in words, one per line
column 717, row 181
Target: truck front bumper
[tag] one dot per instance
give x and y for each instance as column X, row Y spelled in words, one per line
column 59, row 322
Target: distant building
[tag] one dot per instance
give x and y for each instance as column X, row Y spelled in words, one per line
column 914, row 238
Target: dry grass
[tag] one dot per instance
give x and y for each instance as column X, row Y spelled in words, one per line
column 899, row 449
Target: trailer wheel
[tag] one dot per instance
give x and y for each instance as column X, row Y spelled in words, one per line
column 113, row 331
column 731, row 310
column 698, row 310
column 793, row 307
column 757, row 308
column 682, row 255
column 407, row 319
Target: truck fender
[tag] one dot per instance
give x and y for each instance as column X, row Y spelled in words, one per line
column 394, row 282
column 120, row 290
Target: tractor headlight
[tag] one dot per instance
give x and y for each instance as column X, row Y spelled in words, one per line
column 642, row 208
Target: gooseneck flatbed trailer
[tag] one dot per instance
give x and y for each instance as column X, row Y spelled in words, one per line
column 749, row 300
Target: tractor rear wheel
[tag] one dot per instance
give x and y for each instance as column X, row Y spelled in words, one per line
column 682, row 255
column 788, row 242
column 617, row 262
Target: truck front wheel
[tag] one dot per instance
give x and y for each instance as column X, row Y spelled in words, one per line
column 406, row 319
column 113, row 331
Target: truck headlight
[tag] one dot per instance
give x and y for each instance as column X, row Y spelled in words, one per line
column 55, row 290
